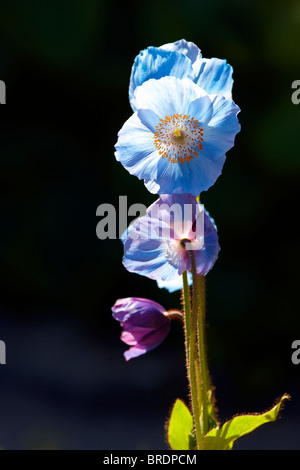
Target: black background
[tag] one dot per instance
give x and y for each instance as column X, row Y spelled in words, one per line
column 66, row 65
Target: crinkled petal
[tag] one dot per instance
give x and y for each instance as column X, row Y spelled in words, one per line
column 149, row 258
column 137, row 310
column 175, row 284
column 148, row 252
column 135, row 148
column 171, row 179
column 193, row 177
column 149, row 118
column 207, row 256
column 220, row 132
column 146, row 337
column 135, row 336
column 155, row 63
column 224, row 114
column 214, row 76
column 188, row 48
column 177, row 212
column 203, row 173
column 167, row 96
column 134, row 352
column 201, row 109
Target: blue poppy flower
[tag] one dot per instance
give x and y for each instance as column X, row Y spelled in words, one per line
column 145, row 324
column 177, row 139
column 159, row 243
column 171, row 286
column 181, row 59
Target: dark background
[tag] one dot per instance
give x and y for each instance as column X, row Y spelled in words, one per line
column 66, row 65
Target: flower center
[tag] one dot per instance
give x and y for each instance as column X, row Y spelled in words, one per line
column 178, row 138
column 184, row 241
column 178, row 132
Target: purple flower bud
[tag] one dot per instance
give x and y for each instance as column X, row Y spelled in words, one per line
column 145, row 324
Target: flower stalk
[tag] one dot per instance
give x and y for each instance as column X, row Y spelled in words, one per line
column 196, row 352
column 202, row 362
column 175, row 314
column 191, row 358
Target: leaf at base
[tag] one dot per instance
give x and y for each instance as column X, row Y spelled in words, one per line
column 180, row 427
column 224, row 438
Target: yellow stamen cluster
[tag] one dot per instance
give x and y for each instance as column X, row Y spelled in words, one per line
column 178, row 138
column 177, row 132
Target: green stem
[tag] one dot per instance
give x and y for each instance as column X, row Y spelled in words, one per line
column 201, row 369
column 212, row 419
column 175, row 315
column 190, row 327
column 187, row 307
column 203, row 372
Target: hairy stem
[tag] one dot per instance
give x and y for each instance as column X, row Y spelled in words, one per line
column 202, row 361
column 175, row 314
column 187, row 307
column 191, row 357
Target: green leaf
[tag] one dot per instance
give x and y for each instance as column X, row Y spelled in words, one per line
column 212, row 421
column 180, row 427
column 223, row 438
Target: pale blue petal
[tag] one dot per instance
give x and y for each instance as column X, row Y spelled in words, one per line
column 144, row 255
column 156, row 63
column 219, row 134
column 201, row 109
column 167, row 96
column 193, row 177
column 149, row 118
column 146, row 252
column 214, row 76
column 134, row 352
column 204, row 172
column 148, row 258
column 171, row 179
column 135, row 148
column 224, row 114
column 189, row 49
column 207, row 256
column 176, row 284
